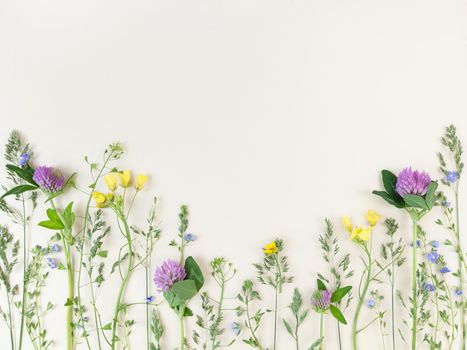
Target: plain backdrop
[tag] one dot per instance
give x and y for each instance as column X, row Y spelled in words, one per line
column 264, row 117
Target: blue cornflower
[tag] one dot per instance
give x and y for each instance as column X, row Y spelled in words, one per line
column 452, row 176
column 458, row 292
column 55, row 248
column 435, row 244
column 370, row 304
column 149, row 299
column 189, row 237
column 429, row 287
column 52, row 263
column 23, row 160
column 432, row 257
column 235, row 327
column 445, row 269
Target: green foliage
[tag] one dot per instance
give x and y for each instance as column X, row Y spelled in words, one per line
column 157, row 331
column 299, row 316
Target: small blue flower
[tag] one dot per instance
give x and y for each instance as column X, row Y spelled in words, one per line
column 55, row 248
column 429, row 287
column 435, row 244
column 445, row 270
column 432, row 257
column 458, row 292
column 23, row 160
column 52, row 263
column 235, row 327
column 149, row 299
column 418, row 243
column 370, row 304
column 189, row 237
column 452, row 176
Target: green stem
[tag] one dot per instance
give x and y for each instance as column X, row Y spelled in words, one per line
column 278, row 289
column 321, row 331
column 146, row 270
column 461, row 262
column 275, row 318
column 124, row 282
column 25, row 263
column 182, row 327
column 10, row 316
column 250, row 326
column 339, row 334
column 414, row 283
column 361, row 300
column 219, row 308
column 392, row 281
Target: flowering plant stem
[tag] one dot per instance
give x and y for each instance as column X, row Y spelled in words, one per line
column 321, row 331
column 361, row 296
column 25, row 264
column 278, row 290
column 121, row 217
column 414, row 282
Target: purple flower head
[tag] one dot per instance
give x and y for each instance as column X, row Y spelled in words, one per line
column 452, row 176
column 189, row 237
column 435, row 244
column 458, row 292
column 149, row 299
column 370, row 304
column 429, row 287
column 52, row 263
column 235, row 327
column 432, row 257
column 49, row 179
column 167, row 274
column 23, row 160
column 412, row 182
column 445, row 269
column 321, row 300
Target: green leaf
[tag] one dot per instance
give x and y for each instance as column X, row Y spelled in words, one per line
column 389, row 182
column 193, row 272
column 321, row 285
column 337, row 314
column 340, row 293
column 287, row 327
column 25, row 173
column 69, row 302
column 103, row 253
column 184, row 290
column 18, row 190
column 388, row 199
column 107, row 327
column 430, row 194
column 52, row 225
column 316, row 344
column 414, row 201
column 68, row 215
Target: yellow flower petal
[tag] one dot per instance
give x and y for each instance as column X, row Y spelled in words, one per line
column 140, row 181
column 99, row 198
column 111, row 181
column 270, row 248
column 347, row 223
column 125, row 178
column 365, row 234
column 372, row 217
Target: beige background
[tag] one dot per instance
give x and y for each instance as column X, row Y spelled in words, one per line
column 263, row 116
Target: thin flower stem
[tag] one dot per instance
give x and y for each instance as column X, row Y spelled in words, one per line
column 182, row 327
column 461, row 261
column 10, row 316
column 414, row 283
column 25, row 263
column 453, row 318
column 219, row 307
column 321, row 331
column 250, row 326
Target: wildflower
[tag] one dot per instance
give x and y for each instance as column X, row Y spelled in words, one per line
column 235, row 327
column 435, row 244
column 361, row 234
column 446, row 204
column 149, row 299
column 429, row 287
column 418, row 243
column 372, row 217
column 432, row 257
column 140, row 181
column 189, row 237
column 270, row 248
column 100, row 199
column 111, row 182
column 321, row 300
column 55, row 248
column 412, row 182
column 23, row 160
column 452, row 176
column 167, row 274
column 125, row 178
column 445, row 269
column 458, row 292
column 49, row 179
column 371, row 304
column 52, row 263
column 347, row 223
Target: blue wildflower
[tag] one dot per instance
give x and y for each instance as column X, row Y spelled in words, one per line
column 55, row 248
column 435, row 244
column 23, row 160
column 149, row 299
column 458, row 292
column 429, row 287
column 235, row 327
column 418, row 243
column 445, row 269
column 452, row 176
column 52, row 263
column 432, row 257
column 370, row 304
column 189, row 237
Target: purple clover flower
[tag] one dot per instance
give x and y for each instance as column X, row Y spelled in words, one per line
column 52, row 263
column 49, row 179
column 445, row 269
column 412, row 182
column 167, row 274
column 452, row 176
column 189, row 237
column 370, row 304
column 23, row 160
column 429, row 287
column 432, row 257
column 321, row 300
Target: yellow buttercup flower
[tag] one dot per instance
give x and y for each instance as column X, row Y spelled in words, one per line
column 372, row 217
column 100, row 199
column 140, row 181
column 125, row 178
column 270, row 248
column 360, row 233
column 347, row 223
column 111, row 181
